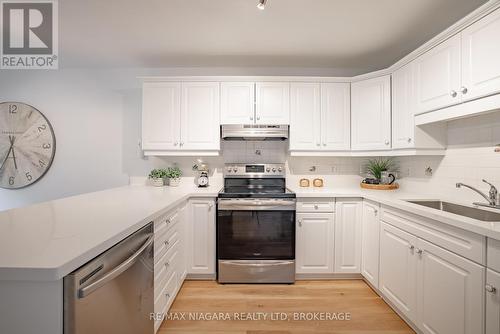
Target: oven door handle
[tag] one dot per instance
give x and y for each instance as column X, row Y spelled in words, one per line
column 256, row 264
column 256, row 205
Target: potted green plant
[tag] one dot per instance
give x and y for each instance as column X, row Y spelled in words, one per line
column 173, row 174
column 375, row 167
column 156, row 176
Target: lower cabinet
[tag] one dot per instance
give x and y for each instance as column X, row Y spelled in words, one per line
column 201, row 236
column 348, row 214
column 314, row 243
column 492, row 302
column 370, row 242
column 441, row 292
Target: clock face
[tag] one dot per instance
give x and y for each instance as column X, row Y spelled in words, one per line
column 27, row 145
column 202, row 181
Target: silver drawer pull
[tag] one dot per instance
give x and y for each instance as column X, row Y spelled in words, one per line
column 419, row 251
column 167, row 221
column 490, row 288
column 167, row 243
column 167, row 295
column 411, row 247
column 167, row 264
column 316, row 207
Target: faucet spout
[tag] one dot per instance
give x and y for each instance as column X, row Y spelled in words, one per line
column 491, row 201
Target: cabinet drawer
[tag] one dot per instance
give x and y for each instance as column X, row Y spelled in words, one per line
column 165, row 241
column 166, row 296
column 494, row 254
column 465, row 243
column 316, row 205
column 166, row 222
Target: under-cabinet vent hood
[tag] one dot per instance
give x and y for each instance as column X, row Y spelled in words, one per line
column 254, row 132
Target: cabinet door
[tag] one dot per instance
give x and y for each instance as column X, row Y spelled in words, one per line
column 161, row 109
column 371, row 114
column 437, row 76
column 370, row 242
column 492, row 302
column 272, row 103
column 314, row 248
column 398, row 269
column 200, row 127
column 403, row 108
column 183, row 248
column 480, row 55
column 450, row 292
column 201, row 236
column 348, row 214
column 336, row 116
column 237, row 103
column 305, row 120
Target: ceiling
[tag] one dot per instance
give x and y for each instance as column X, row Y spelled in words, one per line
column 357, row 35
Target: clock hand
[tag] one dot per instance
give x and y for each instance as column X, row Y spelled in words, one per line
column 8, row 153
column 12, row 139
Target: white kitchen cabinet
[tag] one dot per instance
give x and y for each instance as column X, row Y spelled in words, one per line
column 370, row 242
column 335, row 116
column 305, row 117
column 201, row 236
column 398, row 269
column 371, row 114
column 348, row 220
column 320, row 117
column 314, row 243
column 438, row 76
column 237, row 103
column 161, row 111
column 480, row 55
column 272, row 103
column 492, row 302
column 450, row 292
column 200, row 116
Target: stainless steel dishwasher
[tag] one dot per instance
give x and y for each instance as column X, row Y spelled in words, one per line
column 113, row 293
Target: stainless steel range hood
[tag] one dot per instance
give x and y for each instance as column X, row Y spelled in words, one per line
column 254, row 132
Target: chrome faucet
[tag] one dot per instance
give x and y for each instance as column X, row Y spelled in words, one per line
column 492, row 199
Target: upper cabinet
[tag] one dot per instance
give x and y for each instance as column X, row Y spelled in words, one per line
column 272, row 103
column 237, row 103
column 437, row 77
column 255, row 103
column 180, row 118
column 320, row 117
column 480, row 58
column 371, row 114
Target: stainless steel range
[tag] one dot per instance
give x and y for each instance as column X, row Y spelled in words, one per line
column 255, row 225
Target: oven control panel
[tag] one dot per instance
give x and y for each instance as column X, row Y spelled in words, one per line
column 254, row 170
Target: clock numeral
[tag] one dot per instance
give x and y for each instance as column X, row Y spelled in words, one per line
column 12, row 109
column 42, row 127
column 46, row 146
column 11, row 180
column 41, row 163
column 28, row 176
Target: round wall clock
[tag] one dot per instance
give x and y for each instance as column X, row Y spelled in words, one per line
column 27, row 145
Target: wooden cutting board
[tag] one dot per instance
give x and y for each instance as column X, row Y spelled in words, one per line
column 393, row 186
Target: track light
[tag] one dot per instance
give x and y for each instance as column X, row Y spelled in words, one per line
column 262, row 4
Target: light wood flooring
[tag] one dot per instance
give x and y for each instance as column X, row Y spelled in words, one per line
column 369, row 313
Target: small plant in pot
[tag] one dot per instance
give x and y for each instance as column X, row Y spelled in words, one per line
column 173, row 174
column 375, row 169
column 156, row 176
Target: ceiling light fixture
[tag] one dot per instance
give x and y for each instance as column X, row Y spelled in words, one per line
column 262, row 4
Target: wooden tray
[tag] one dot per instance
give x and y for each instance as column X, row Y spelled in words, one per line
column 393, row 186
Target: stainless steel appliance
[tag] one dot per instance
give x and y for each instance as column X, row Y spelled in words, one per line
column 114, row 292
column 255, row 225
column 254, row 132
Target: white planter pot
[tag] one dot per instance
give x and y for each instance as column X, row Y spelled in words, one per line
column 157, row 182
column 174, row 182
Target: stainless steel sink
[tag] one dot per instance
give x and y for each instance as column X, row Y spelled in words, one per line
column 461, row 210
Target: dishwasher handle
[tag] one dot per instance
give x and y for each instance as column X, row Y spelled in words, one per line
column 85, row 291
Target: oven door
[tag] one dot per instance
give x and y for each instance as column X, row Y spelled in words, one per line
column 256, row 229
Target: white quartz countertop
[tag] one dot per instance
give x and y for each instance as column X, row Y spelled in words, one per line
column 49, row 240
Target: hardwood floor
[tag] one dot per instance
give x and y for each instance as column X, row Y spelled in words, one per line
column 205, row 299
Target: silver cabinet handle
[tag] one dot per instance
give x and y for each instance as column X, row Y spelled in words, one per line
column 258, row 118
column 181, row 143
column 409, row 140
column 300, row 222
column 490, row 288
column 167, row 295
column 167, row 243
column 167, row 221
column 464, row 90
column 176, row 143
column 387, row 142
column 375, row 212
column 318, row 144
column 453, row 93
column 411, row 247
column 167, row 264
column 210, row 206
column 251, row 118
column 316, row 207
column 85, row 291
column 419, row 251
column 324, row 144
